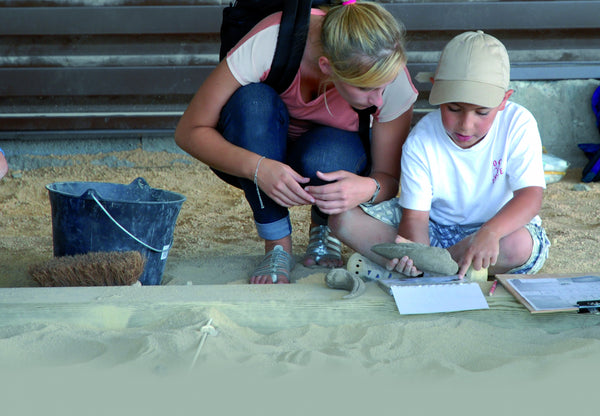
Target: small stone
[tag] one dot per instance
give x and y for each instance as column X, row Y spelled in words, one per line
column 580, row 187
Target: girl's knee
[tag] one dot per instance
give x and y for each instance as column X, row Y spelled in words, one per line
column 256, row 119
column 255, row 102
column 328, row 149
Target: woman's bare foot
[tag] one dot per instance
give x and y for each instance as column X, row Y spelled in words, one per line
column 277, row 264
column 323, row 248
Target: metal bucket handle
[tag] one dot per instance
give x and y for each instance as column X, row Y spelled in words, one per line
column 92, row 194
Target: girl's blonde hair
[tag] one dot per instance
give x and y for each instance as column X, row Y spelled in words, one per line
column 364, row 44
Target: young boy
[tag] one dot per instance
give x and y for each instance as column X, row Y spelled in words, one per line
column 472, row 175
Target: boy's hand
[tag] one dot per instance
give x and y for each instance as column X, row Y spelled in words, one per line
column 482, row 252
column 405, row 264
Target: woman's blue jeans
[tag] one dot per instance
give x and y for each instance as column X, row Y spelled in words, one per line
column 255, row 118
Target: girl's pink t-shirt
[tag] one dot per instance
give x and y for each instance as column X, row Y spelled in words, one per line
column 250, row 61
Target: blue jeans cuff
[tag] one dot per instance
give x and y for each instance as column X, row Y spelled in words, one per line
column 274, row 230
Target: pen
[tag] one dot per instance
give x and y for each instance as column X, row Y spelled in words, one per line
column 493, row 288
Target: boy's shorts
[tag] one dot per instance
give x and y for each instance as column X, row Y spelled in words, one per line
column 389, row 212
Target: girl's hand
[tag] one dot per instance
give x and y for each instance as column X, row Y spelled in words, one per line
column 345, row 191
column 282, row 184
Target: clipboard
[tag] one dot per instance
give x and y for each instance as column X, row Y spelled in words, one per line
column 545, row 293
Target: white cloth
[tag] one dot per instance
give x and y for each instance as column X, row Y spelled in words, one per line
column 469, row 186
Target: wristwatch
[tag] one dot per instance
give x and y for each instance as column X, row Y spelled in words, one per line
column 377, row 189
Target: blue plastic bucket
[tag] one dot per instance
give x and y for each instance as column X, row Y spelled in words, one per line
column 97, row 216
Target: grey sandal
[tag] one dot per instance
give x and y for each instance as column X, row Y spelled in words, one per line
column 276, row 262
column 321, row 245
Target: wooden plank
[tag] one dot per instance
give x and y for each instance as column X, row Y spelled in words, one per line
column 510, row 15
column 522, row 71
column 103, row 20
column 264, row 308
column 185, row 80
column 130, row 80
column 109, row 20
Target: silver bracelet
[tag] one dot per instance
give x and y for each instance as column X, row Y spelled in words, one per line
column 377, row 189
column 256, row 182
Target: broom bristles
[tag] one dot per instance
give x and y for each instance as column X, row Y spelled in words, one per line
column 91, row 269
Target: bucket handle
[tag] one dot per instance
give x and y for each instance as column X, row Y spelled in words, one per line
column 123, row 228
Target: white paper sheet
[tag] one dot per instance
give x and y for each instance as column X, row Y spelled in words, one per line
column 438, row 298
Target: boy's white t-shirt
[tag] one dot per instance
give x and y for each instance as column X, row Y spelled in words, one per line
column 250, row 62
column 469, row 186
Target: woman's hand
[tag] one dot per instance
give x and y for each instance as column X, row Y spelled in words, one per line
column 345, row 191
column 282, row 183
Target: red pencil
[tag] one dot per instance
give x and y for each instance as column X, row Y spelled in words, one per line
column 493, row 288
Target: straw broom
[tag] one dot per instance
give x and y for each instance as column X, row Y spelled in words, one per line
column 91, row 269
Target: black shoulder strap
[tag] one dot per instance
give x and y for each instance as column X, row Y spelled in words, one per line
column 291, row 41
column 364, row 126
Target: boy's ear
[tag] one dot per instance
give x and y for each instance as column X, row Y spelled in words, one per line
column 325, row 66
column 507, row 95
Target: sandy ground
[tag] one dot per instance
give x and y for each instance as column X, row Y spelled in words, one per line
column 215, row 229
column 272, row 339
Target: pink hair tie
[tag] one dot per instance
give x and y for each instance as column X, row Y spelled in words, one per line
column 347, row 2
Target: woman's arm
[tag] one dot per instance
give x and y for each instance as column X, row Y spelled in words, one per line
column 387, row 140
column 196, row 134
column 196, row 131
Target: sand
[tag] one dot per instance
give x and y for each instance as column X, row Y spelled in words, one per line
column 350, row 356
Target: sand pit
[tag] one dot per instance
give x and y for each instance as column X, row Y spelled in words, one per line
column 281, row 334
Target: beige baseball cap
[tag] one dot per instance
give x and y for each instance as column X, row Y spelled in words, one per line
column 474, row 68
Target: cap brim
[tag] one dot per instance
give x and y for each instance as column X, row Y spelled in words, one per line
column 470, row 92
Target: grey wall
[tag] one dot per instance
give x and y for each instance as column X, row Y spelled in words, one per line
column 564, row 114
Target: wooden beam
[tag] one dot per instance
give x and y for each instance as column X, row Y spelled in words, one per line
column 109, row 20
column 104, row 20
column 247, row 305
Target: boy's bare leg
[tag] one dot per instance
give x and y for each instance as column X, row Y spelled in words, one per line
column 361, row 232
column 515, row 250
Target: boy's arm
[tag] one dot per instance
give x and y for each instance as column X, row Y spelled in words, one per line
column 484, row 247
column 414, row 226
